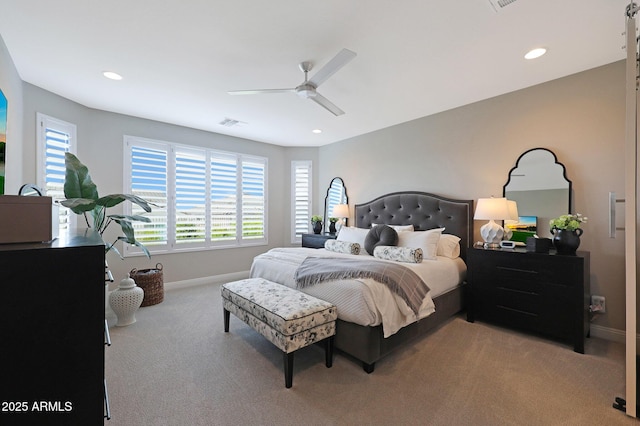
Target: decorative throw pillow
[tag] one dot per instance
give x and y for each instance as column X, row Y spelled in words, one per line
column 449, row 246
column 381, row 235
column 398, row 254
column 426, row 240
column 342, row 246
column 398, row 228
column 352, row 235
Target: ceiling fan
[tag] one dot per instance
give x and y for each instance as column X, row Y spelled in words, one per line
column 308, row 87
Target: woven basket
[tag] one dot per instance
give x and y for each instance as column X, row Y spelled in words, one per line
column 151, row 281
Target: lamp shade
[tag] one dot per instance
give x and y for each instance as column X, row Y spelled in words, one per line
column 340, row 210
column 492, row 209
column 513, row 210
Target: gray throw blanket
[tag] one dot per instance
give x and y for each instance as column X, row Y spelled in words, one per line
column 400, row 279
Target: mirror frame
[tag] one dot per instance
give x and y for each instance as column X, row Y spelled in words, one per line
column 555, row 159
column 327, row 214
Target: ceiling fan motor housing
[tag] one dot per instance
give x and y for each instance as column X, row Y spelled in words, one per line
column 306, row 91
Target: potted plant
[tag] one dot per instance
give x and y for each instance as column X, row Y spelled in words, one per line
column 566, row 232
column 316, row 220
column 332, row 224
column 82, row 198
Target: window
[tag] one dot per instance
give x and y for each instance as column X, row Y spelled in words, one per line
column 55, row 137
column 209, row 198
column 301, row 199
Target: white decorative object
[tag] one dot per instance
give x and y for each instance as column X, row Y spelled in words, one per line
column 512, row 220
column 492, row 209
column 126, row 300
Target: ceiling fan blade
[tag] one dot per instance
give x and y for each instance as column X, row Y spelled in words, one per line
column 327, row 104
column 259, row 91
column 340, row 60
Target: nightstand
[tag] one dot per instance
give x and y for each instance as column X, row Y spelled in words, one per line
column 547, row 294
column 316, row 240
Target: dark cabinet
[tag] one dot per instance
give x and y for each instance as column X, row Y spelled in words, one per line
column 316, row 240
column 52, row 330
column 544, row 293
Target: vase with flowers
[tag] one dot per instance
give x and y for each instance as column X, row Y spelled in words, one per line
column 566, row 232
column 316, row 221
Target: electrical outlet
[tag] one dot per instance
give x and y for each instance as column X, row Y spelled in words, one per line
column 598, row 304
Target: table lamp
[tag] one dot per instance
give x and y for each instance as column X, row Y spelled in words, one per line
column 492, row 209
column 341, row 211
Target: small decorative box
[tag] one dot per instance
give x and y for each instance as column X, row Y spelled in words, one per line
column 538, row 245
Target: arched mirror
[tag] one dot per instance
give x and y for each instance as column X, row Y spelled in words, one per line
column 538, row 184
column 336, row 194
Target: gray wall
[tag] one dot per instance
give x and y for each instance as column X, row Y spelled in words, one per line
column 468, row 152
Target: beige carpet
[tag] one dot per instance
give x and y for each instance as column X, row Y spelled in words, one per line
column 176, row 366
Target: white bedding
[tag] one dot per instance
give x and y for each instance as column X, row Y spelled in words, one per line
column 364, row 301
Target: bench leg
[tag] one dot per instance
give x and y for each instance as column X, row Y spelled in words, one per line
column 226, row 320
column 328, row 352
column 288, row 369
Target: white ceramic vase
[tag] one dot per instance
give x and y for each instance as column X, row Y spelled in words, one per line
column 126, row 300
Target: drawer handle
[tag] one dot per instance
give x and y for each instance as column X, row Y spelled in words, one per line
column 517, row 310
column 506, row 268
column 518, row 291
column 107, row 406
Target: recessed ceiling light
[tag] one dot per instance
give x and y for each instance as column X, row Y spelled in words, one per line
column 317, row 131
column 535, row 53
column 112, row 75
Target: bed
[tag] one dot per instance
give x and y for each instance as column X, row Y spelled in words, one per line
column 365, row 339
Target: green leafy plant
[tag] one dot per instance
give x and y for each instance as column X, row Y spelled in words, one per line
column 316, row 218
column 333, row 219
column 569, row 222
column 82, row 199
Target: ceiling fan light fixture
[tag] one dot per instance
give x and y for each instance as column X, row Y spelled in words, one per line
column 306, row 91
column 535, row 53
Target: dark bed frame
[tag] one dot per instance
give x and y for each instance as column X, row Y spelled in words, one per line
column 424, row 211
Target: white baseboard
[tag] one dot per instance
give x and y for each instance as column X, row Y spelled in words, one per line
column 214, row 279
column 613, row 335
column 608, row 333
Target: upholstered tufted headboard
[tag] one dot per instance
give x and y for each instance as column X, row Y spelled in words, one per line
column 422, row 210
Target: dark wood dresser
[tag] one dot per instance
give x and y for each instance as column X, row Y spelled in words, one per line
column 547, row 294
column 316, row 240
column 52, row 331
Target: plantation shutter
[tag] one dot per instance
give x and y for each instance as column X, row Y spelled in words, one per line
column 253, row 198
column 224, row 189
column 55, row 137
column 301, row 187
column 149, row 181
column 191, row 203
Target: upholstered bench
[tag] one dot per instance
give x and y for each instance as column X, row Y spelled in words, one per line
column 288, row 318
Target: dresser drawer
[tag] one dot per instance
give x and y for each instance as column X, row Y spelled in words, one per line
column 553, row 270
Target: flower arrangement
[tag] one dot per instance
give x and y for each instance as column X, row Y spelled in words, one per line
column 316, row 218
column 333, row 219
column 569, row 222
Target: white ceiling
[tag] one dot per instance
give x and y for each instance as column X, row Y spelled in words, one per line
column 415, row 57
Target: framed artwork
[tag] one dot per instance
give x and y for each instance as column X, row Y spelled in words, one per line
column 3, row 138
column 525, row 226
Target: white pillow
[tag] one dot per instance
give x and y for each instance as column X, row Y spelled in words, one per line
column 342, row 246
column 449, row 246
column 352, row 235
column 397, row 228
column 426, row 240
column 398, row 254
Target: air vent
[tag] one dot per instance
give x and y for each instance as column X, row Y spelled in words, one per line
column 230, row 122
column 499, row 4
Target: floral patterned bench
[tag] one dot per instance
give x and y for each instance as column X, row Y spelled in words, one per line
column 288, row 318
